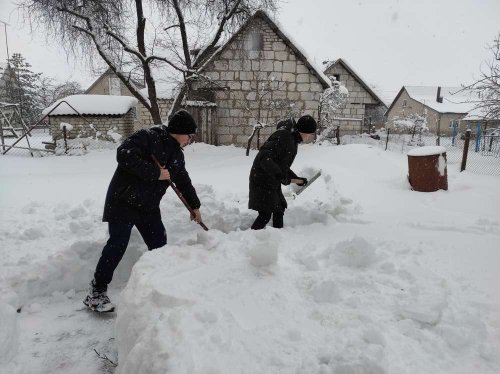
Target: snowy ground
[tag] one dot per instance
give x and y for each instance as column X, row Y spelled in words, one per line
column 366, row 277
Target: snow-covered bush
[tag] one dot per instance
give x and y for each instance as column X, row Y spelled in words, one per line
column 332, row 99
column 414, row 124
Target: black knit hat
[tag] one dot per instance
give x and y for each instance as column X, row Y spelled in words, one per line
column 306, row 124
column 182, row 123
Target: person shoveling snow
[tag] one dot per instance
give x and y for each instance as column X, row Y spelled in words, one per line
column 147, row 161
column 271, row 168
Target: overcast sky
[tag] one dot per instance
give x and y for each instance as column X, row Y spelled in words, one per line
column 390, row 43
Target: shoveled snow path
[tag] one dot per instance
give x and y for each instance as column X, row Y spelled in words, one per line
column 58, row 336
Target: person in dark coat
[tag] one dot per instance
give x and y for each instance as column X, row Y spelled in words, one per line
column 135, row 192
column 271, row 169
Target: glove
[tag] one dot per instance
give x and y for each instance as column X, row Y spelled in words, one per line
column 285, row 181
column 304, row 181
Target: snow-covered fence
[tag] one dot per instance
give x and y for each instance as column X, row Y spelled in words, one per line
column 483, row 155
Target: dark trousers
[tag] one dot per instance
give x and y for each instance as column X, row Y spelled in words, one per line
column 152, row 231
column 264, row 217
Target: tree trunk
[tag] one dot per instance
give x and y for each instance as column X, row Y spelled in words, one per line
column 176, row 105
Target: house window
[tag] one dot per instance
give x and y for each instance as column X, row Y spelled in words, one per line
column 115, row 86
column 404, row 103
column 337, row 77
column 255, row 41
column 135, row 116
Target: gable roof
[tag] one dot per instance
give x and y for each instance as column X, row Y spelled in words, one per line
column 325, row 82
column 356, row 76
column 454, row 99
column 135, row 84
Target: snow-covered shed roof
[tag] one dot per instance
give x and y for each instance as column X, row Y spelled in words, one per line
column 361, row 81
column 98, row 105
column 325, row 82
column 454, row 99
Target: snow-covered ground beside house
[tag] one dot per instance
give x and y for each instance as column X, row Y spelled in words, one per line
column 366, row 277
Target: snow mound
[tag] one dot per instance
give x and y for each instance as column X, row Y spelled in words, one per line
column 356, row 253
column 8, row 333
column 209, row 306
column 326, row 292
column 264, row 250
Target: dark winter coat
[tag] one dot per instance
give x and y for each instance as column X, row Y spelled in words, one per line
column 135, row 191
column 271, row 168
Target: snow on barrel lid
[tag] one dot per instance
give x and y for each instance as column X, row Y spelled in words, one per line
column 427, row 151
column 100, row 105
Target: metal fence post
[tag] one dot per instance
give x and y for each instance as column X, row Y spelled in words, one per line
column 337, row 135
column 387, row 139
column 454, row 136
column 438, row 139
column 65, row 139
column 466, row 150
column 478, row 136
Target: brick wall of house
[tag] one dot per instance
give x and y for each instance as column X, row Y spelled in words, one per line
column 124, row 125
column 144, row 119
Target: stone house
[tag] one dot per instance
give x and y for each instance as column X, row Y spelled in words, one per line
column 440, row 105
column 364, row 108
column 258, row 75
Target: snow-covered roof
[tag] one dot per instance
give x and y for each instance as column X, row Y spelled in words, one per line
column 454, row 100
column 356, row 76
column 99, row 105
column 476, row 114
column 325, row 82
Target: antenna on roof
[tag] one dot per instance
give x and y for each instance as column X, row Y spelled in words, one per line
column 5, row 24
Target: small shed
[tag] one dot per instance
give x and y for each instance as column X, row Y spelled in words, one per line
column 92, row 116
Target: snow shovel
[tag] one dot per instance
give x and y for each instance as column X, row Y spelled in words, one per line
column 302, row 188
column 179, row 194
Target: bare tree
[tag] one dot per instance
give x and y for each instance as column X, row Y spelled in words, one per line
column 116, row 30
column 485, row 92
column 51, row 90
column 269, row 105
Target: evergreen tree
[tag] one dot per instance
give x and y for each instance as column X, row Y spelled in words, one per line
column 23, row 88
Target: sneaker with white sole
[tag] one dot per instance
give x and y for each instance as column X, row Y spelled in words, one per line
column 98, row 300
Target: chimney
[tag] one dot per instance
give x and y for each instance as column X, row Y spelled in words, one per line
column 439, row 98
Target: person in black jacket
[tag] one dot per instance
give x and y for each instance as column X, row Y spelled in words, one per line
column 271, row 169
column 135, row 192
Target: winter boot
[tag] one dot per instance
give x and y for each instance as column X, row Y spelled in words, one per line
column 98, row 300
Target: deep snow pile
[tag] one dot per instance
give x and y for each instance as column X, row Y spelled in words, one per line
column 366, row 277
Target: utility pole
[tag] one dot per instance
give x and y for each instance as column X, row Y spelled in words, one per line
column 5, row 24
